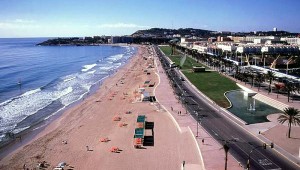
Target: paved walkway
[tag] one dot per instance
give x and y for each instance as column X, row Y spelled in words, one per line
column 209, row 149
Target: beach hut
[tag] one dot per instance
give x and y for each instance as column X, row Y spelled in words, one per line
column 141, row 90
column 145, row 96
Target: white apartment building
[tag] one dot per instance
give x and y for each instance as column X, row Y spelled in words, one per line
column 249, row 49
column 252, row 38
column 291, row 41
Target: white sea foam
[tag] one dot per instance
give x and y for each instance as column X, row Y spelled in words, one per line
column 26, row 105
column 64, row 92
column 91, row 72
column 69, row 79
column 88, row 67
column 15, row 131
column 5, row 102
column 115, row 57
column 31, row 92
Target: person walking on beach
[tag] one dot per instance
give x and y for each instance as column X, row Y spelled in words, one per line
column 87, row 148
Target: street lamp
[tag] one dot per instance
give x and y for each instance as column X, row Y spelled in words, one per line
column 198, row 121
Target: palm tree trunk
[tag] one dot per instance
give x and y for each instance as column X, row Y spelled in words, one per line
column 226, row 159
column 289, row 134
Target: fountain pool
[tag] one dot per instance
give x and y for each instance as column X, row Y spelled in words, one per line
column 248, row 109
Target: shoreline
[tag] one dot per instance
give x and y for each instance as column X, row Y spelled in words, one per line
column 74, row 137
column 28, row 135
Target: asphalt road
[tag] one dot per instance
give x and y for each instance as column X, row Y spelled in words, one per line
column 224, row 130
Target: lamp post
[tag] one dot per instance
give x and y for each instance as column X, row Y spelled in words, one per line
column 197, row 124
column 198, row 120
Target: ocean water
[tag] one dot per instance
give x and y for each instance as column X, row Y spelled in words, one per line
column 38, row 81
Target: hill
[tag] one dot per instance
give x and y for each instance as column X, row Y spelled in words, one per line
column 162, row 32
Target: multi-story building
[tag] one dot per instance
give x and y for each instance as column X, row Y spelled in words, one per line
column 238, row 38
column 291, row 40
column 121, row 39
column 252, row 38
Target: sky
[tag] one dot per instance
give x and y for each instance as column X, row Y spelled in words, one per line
column 68, row 18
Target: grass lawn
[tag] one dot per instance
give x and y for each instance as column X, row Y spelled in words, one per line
column 166, row 49
column 211, row 83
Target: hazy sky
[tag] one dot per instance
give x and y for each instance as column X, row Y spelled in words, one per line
column 52, row 18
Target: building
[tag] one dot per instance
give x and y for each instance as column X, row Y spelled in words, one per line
column 121, row 39
column 291, row 40
column 252, row 38
column 275, row 29
column 212, row 39
column 238, row 39
column 220, row 38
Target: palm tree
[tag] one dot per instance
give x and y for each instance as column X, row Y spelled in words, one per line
column 226, row 149
column 271, row 76
column 289, row 87
column 259, row 78
column 291, row 115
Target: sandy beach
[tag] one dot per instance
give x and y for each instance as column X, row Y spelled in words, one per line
column 75, row 138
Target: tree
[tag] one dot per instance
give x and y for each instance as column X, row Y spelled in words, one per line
column 291, row 115
column 259, row 78
column 289, row 87
column 271, row 76
column 226, row 149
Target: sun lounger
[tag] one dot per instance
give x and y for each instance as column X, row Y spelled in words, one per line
column 140, row 125
column 141, row 118
column 114, row 149
column 122, row 124
column 104, row 140
column 116, row 118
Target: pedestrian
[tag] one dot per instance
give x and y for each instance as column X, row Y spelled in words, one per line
column 87, row 148
column 203, row 141
column 180, row 112
column 183, row 163
column 171, row 108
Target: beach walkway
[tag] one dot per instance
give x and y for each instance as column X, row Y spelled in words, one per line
column 213, row 156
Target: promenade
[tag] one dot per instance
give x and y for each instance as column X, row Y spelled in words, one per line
column 212, row 153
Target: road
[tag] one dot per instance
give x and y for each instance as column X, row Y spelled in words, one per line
column 223, row 129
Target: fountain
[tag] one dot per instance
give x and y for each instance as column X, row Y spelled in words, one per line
column 249, row 109
column 252, row 106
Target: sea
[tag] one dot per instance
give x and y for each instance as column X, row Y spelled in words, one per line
column 36, row 82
